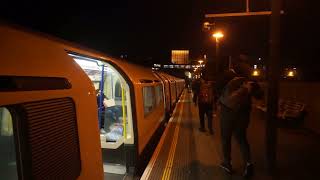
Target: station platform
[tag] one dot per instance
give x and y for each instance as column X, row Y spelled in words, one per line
column 184, row 152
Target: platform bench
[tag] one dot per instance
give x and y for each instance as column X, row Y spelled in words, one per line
column 291, row 113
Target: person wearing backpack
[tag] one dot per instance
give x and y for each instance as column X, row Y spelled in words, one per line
column 205, row 103
column 235, row 108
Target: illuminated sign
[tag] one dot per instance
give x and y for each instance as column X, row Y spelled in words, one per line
column 180, row 56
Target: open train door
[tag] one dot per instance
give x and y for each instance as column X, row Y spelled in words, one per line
column 114, row 113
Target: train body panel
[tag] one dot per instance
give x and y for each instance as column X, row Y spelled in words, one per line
column 40, row 69
column 150, row 111
column 24, row 55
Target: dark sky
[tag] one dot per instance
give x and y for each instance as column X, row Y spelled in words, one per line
column 144, row 30
column 147, row 30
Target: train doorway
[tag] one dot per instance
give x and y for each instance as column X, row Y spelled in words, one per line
column 114, row 113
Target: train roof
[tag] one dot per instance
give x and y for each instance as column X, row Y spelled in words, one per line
column 43, row 54
column 168, row 76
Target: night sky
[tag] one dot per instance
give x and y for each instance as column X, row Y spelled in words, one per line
column 147, row 30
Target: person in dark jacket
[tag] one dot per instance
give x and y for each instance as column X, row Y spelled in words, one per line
column 205, row 97
column 235, row 103
column 195, row 90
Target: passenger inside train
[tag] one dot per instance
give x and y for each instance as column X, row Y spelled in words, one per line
column 114, row 119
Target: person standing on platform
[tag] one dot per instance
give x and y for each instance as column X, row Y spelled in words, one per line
column 195, row 90
column 205, row 103
column 235, row 103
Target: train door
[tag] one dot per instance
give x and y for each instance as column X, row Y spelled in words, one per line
column 173, row 92
column 166, row 91
column 114, row 113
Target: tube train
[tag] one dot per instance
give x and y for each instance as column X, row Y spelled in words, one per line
column 67, row 112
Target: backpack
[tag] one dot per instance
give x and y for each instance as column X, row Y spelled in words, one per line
column 222, row 81
column 206, row 93
column 231, row 97
column 235, row 99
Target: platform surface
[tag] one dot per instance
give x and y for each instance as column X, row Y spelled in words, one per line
column 186, row 153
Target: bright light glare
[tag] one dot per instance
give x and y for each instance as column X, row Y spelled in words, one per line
column 200, row 61
column 255, row 73
column 217, row 35
column 290, row 74
column 206, row 25
column 84, row 64
column 92, row 65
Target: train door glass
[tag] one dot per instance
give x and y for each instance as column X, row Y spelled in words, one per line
column 158, row 92
column 8, row 164
column 114, row 112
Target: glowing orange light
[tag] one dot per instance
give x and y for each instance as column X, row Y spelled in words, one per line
column 255, row 73
column 206, row 23
column 217, row 35
column 290, row 74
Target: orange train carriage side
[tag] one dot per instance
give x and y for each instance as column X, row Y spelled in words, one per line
column 73, row 113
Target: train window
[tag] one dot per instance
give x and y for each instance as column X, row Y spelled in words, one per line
column 8, row 164
column 158, row 91
column 148, row 99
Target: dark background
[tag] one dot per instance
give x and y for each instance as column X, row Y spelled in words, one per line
column 146, row 31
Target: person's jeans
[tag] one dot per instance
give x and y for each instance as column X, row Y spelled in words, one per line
column 232, row 124
column 205, row 109
column 116, row 110
column 111, row 116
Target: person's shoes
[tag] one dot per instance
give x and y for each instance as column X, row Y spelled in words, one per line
column 102, row 131
column 202, row 129
column 248, row 171
column 226, row 167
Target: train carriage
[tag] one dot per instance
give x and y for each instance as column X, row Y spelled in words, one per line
column 72, row 113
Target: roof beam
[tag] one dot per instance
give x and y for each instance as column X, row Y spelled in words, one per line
column 258, row 13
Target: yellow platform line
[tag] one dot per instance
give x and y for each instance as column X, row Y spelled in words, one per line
column 155, row 155
column 168, row 167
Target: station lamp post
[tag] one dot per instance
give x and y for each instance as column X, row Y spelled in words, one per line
column 217, row 35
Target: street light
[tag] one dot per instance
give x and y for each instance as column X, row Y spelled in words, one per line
column 207, row 26
column 217, row 35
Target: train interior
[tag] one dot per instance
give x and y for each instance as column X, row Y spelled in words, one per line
column 8, row 164
column 114, row 112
